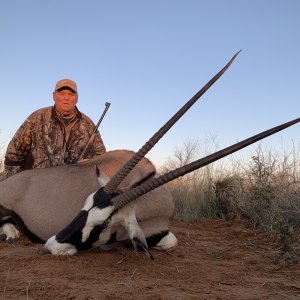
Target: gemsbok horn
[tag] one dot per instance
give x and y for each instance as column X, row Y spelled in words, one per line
column 117, row 178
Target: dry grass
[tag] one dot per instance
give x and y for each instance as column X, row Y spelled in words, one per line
column 266, row 190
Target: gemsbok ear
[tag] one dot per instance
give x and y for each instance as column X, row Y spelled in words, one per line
column 97, row 171
column 102, row 178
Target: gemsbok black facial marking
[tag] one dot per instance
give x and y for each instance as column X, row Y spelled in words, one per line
column 73, row 234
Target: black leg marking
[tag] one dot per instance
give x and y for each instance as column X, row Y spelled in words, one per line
column 9, row 220
column 153, row 240
column 20, row 225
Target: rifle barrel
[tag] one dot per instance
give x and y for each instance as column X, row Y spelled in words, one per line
column 107, row 104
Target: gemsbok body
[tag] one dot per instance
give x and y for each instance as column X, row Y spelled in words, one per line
column 44, row 201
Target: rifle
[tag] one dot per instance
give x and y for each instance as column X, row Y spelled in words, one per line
column 91, row 139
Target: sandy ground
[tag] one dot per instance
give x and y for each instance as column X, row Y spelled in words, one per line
column 214, row 260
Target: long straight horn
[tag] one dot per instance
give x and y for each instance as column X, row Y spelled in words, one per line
column 125, row 170
column 123, row 199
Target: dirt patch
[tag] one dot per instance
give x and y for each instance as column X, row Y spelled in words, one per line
column 214, row 260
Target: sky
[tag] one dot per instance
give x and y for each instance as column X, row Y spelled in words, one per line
column 147, row 58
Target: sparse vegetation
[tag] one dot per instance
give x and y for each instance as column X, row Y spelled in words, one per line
column 264, row 190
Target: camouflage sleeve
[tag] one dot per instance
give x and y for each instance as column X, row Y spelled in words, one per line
column 9, row 171
column 17, row 149
column 2, row 176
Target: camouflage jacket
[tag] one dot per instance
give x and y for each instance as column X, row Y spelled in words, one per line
column 44, row 141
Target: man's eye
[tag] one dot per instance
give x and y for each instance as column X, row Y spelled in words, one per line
column 66, row 94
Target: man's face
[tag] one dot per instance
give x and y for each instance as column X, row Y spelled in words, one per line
column 65, row 101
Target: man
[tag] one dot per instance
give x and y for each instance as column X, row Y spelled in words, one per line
column 53, row 136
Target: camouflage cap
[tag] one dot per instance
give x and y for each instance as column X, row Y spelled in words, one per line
column 66, row 83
